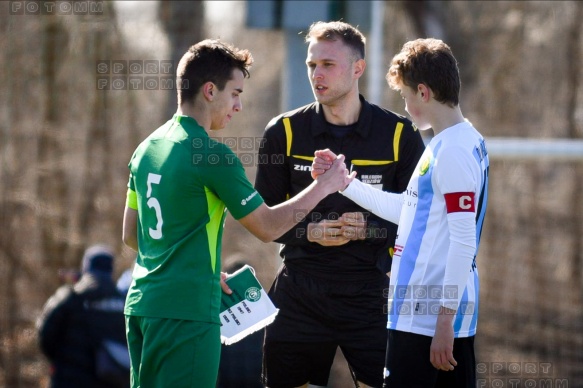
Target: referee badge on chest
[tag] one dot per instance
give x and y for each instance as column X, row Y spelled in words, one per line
column 370, row 171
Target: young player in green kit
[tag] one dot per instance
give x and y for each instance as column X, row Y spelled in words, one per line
column 181, row 184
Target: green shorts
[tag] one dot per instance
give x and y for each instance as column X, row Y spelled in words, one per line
column 173, row 353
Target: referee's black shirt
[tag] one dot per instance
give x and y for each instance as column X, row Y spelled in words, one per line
column 383, row 148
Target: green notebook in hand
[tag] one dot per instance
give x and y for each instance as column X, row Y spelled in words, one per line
column 247, row 309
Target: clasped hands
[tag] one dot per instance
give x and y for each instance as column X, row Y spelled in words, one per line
column 330, row 233
column 324, row 160
column 349, row 226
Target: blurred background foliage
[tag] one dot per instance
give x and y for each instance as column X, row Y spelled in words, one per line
column 65, row 145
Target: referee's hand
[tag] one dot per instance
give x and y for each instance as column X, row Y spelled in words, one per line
column 354, row 227
column 327, row 233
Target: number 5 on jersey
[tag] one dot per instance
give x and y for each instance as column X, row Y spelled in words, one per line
column 154, row 179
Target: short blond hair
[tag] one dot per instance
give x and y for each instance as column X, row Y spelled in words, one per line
column 338, row 30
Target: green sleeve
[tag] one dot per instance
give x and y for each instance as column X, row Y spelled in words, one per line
column 226, row 177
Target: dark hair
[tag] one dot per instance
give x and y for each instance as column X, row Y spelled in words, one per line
column 429, row 62
column 209, row 60
column 98, row 259
column 333, row 31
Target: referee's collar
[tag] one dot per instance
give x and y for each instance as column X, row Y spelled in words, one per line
column 363, row 127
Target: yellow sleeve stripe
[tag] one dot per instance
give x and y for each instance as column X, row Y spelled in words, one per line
column 396, row 140
column 132, row 199
column 360, row 162
column 310, row 158
column 288, row 140
column 288, row 135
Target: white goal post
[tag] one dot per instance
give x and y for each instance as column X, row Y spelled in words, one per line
column 525, row 148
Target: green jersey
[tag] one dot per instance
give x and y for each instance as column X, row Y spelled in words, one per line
column 183, row 182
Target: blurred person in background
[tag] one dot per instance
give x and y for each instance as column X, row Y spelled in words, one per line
column 78, row 318
column 331, row 287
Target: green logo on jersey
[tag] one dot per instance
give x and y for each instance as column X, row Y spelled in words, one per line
column 253, row 294
column 425, row 165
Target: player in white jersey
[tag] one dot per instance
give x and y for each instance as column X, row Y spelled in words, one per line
column 433, row 297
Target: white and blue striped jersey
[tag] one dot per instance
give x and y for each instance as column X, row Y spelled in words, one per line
column 440, row 218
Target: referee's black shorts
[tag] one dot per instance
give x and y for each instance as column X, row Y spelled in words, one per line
column 316, row 316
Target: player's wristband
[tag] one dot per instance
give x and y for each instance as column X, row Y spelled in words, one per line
column 131, row 199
